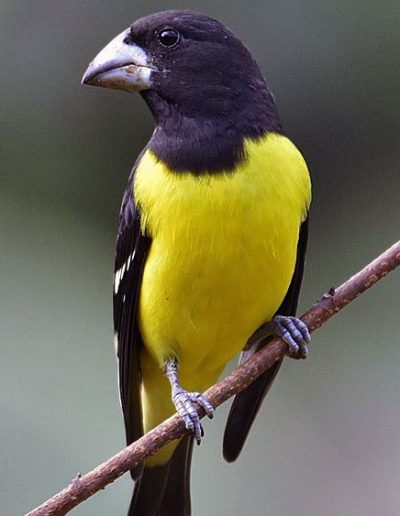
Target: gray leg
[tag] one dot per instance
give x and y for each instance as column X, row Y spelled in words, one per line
column 184, row 401
column 294, row 332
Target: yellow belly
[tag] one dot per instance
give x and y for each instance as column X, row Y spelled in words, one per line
column 221, row 260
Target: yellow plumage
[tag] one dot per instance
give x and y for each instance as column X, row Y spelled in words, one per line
column 221, row 260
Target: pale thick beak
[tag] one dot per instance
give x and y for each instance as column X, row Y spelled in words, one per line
column 120, row 65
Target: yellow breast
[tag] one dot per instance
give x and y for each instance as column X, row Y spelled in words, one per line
column 222, row 255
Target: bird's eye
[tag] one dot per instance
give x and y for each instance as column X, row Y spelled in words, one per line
column 168, row 37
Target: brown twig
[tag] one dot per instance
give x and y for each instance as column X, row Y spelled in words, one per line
column 82, row 487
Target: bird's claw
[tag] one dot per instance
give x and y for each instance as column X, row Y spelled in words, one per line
column 294, row 332
column 184, row 402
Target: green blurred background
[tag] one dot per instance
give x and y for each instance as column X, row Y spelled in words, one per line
column 327, row 441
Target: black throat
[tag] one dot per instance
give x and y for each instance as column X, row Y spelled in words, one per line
column 209, row 143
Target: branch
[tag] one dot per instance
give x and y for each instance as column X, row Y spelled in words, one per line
column 82, row 487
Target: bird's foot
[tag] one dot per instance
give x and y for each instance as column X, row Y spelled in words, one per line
column 185, row 403
column 294, row 332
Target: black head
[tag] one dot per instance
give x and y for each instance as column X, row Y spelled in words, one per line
column 201, row 83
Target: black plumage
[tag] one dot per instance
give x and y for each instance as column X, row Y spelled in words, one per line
column 216, row 94
column 207, row 96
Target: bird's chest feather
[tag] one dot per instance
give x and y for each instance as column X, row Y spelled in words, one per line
column 223, row 249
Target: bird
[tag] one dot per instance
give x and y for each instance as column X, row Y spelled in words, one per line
column 211, row 238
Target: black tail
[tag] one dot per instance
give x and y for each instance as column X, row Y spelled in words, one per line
column 243, row 412
column 165, row 490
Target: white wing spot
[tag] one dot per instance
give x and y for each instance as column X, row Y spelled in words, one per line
column 129, row 261
column 120, row 272
column 118, row 277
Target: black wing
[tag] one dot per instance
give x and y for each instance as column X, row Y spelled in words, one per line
column 164, row 488
column 132, row 249
column 246, row 405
